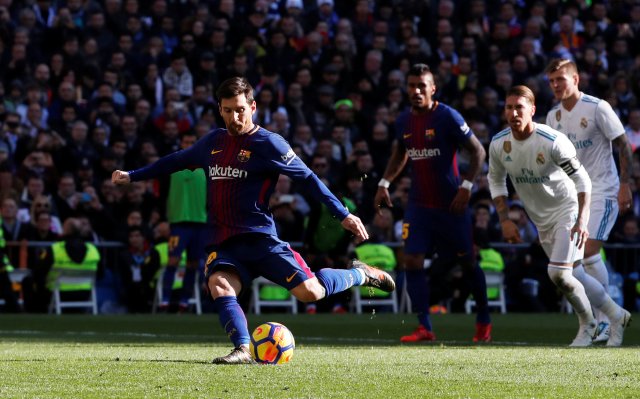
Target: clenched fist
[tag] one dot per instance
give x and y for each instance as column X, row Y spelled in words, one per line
column 120, row 177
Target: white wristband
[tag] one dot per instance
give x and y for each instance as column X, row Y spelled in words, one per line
column 384, row 183
column 467, row 185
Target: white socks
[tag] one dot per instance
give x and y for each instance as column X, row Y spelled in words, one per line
column 595, row 267
column 563, row 278
column 597, row 295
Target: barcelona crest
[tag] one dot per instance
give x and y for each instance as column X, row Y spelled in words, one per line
column 430, row 134
column 540, row 159
column 584, row 123
column 558, row 115
column 244, row 155
column 506, row 146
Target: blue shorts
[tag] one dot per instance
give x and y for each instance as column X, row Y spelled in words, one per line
column 190, row 237
column 425, row 230
column 254, row 254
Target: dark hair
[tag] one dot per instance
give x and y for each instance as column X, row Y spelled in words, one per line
column 419, row 70
column 135, row 229
column 234, row 87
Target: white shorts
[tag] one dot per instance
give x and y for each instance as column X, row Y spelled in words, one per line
column 557, row 243
column 604, row 212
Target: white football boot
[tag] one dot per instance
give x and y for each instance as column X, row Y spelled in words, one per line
column 617, row 329
column 585, row 336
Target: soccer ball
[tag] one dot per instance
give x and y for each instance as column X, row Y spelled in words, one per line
column 271, row 343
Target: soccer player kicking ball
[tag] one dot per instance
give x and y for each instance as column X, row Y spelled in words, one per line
column 242, row 164
column 556, row 192
column 592, row 126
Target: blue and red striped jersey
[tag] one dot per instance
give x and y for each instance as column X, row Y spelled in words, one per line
column 241, row 175
column 432, row 140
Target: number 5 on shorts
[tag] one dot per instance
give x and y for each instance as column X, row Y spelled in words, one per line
column 405, row 230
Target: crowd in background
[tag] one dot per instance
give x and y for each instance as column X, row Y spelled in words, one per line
column 87, row 87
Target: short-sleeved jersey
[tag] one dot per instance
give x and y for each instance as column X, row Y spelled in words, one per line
column 591, row 126
column 432, row 140
column 241, row 175
column 544, row 188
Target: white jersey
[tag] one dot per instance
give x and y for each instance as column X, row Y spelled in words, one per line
column 591, row 126
column 545, row 189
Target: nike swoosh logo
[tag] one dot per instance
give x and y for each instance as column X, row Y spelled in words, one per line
column 406, row 136
column 214, row 152
column 291, row 277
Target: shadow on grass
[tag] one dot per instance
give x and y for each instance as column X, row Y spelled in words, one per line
column 157, row 361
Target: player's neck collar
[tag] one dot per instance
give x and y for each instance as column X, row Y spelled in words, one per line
column 255, row 129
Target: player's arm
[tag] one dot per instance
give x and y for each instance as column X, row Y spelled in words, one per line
column 396, row 163
column 565, row 156
column 625, row 156
column 477, row 157
column 164, row 166
column 610, row 125
column 497, row 178
column 510, row 231
column 283, row 160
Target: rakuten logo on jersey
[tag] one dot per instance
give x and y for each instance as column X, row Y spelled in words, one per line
column 219, row 172
column 423, row 153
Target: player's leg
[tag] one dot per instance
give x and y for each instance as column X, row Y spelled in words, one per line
column 176, row 245
column 194, row 246
column 455, row 241
column 600, row 300
column 225, row 278
column 287, row 268
column 563, row 252
column 416, row 234
column 604, row 212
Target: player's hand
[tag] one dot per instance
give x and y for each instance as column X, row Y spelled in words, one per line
column 120, row 177
column 382, row 197
column 354, row 225
column 580, row 233
column 460, row 201
column 510, row 232
column 625, row 198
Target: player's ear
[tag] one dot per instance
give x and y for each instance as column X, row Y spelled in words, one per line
column 533, row 110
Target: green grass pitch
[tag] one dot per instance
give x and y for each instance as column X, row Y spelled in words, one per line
column 337, row 356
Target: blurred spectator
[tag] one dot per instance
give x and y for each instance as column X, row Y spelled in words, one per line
column 178, row 76
column 633, row 128
column 137, row 267
column 13, row 228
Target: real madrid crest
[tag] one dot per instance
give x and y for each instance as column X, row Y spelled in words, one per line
column 558, row 115
column 506, row 146
column 540, row 159
column 244, row 155
column 584, row 123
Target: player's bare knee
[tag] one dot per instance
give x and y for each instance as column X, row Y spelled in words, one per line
column 224, row 284
column 309, row 291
